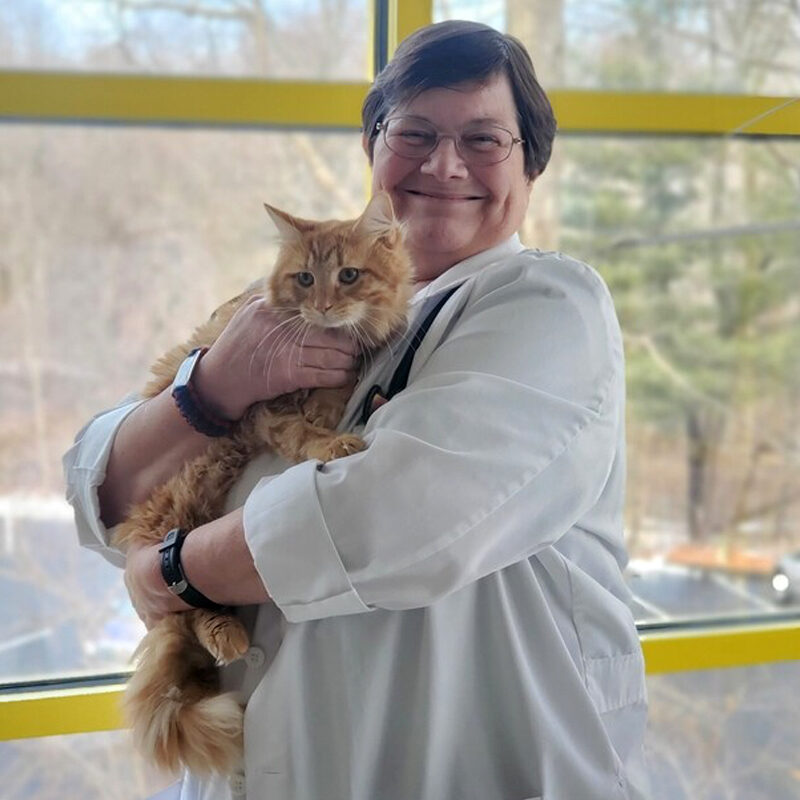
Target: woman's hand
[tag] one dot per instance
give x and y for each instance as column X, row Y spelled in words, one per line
column 215, row 559
column 150, row 597
column 260, row 355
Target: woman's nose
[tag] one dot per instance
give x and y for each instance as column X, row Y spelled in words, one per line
column 445, row 161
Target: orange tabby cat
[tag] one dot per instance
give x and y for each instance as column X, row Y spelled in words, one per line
column 361, row 269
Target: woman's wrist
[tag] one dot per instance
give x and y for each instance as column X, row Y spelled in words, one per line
column 211, row 391
column 150, row 446
column 217, row 562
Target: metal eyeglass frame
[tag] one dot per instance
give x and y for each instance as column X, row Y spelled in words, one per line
column 382, row 125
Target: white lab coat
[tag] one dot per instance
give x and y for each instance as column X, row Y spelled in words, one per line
column 449, row 620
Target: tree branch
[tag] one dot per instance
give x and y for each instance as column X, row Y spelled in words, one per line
column 677, row 377
column 188, row 9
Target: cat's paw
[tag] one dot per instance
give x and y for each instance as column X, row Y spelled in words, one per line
column 314, row 416
column 225, row 638
column 340, row 446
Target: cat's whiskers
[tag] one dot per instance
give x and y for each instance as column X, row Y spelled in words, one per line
column 305, row 336
column 264, row 338
column 269, row 357
column 364, row 350
column 286, row 339
column 393, row 340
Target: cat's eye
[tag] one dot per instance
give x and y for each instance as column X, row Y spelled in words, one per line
column 305, row 279
column 348, row 275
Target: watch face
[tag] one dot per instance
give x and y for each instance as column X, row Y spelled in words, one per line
column 169, row 539
column 178, row 588
column 171, row 570
column 184, row 374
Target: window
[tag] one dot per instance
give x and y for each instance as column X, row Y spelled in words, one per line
column 136, row 251
column 697, row 238
column 720, row 733
column 719, row 46
column 311, row 40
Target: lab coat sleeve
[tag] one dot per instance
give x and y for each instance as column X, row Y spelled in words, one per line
column 503, row 439
column 84, row 467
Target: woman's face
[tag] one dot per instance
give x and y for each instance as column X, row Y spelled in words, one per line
column 452, row 209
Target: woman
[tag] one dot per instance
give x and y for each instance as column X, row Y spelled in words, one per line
column 443, row 615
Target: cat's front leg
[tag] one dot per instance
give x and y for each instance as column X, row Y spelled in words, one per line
column 296, row 439
column 324, row 407
column 323, row 410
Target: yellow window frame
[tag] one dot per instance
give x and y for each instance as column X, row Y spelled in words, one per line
column 43, row 97
column 82, row 710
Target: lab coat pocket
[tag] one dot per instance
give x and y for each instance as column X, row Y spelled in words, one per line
column 612, row 654
column 615, row 681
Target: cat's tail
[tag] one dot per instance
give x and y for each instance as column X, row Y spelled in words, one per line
column 174, row 706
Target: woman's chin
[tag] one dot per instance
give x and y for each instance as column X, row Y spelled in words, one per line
column 439, row 239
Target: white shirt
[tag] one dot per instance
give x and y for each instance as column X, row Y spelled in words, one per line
column 449, row 619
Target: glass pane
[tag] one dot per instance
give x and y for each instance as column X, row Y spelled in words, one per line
column 720, row 46
column 698, row 241
column 728, row 733
column 89, row 766
column 310, row 40
column 114, row 244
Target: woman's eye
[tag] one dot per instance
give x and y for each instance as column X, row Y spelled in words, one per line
column 482, row 141
column 305, row 279
column 415, row 137
column 348, row 275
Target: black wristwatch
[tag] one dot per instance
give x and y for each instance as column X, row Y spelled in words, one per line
column 172, row 572
column 189, row 403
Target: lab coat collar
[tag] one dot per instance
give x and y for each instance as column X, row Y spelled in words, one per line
column 459, row 272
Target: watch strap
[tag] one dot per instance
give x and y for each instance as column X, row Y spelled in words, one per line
column 174, row 577
column 189, row 402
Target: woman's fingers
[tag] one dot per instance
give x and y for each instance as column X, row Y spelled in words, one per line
column 334, row 339
column 313, row 378
column 325, row 358
column 149, row 595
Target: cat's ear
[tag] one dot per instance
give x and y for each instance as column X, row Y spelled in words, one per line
column 379, row 221
column 286, row 227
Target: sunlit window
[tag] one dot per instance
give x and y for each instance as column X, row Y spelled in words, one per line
column 90, row 766
column 310, row 40
column 115, row 243
column 698, row 241
column 739, row 46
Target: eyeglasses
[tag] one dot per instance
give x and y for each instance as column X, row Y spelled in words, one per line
column 479, row 145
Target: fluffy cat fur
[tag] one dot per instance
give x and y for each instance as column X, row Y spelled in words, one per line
column 173, row 702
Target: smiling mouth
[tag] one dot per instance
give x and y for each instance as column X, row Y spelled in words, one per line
column 436, row 196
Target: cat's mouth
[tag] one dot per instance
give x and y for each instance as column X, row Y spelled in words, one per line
column 322, row 320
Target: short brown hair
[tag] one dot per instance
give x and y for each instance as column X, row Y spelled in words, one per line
column 453, row 52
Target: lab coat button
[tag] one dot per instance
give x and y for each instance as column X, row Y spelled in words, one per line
column 254, row 657
column 238, row 784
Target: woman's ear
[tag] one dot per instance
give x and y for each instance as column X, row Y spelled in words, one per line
column 365, row 146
